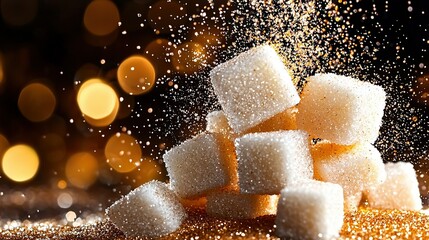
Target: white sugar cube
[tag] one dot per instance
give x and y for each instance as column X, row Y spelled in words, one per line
column 310, row 210
column 218, row 123
column 341, row 109
column 267, row 162
column 253, row 87
column 150, row 210
column 354, row 167
column 229, row 204
column 201, row 164
column 399, row 191
column 352, row 201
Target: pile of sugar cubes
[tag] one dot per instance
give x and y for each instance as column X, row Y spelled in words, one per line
column 307, row 158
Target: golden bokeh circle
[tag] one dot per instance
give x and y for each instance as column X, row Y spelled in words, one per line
column 123, row 153
column 36, row 102
column 20, row 163
column 97, row 100
column 82, row 169
column 136, row 75
column 101, row 17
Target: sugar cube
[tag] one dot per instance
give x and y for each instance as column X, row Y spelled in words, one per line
column 352, row 201
column 341, row 109
column 201, row 164
column 267, row 162
column 355, row 168
column 231, row 204
column 150, row 210
column 253, row 87
column 218, row 123
column 310, row 210
column 399, row 191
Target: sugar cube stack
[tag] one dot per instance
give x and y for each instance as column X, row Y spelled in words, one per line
column 200, row 165
column 259, row 145
column 253, row 87
column 341, row 109
column 310, row 210
column 231, row 204
column 151, row 210
column 399, row 191
column 355, row 168
column 267, row 162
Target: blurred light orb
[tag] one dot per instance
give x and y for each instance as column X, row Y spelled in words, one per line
column 62, row 184
column 36, row 102
column 147, row 171
column 82, row 169
column 101, row 17
column 18, row 12
column 65, row 200
column 71, row 216
column 97, row 100
column 20, row 163
column 123, row 153
column 136, row 75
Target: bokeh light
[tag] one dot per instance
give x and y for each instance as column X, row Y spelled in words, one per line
column 20, row 163
column 148, row 170
column 65, row 200
column 98, row 102
column 101, row 17
column 123, row 153
column 136, row 75
column 36, row 102
column 18, row 13
column 82, row 169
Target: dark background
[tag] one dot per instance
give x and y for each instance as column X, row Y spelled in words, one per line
column 54, row 45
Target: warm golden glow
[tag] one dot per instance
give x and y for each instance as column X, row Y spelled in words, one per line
column 136, row 75
column 98, row 102
column 189, row 58
column 101, row 17
column 122, row 152
column 82, row 170
column 4, row 145
column 148, row 170
column 20, row 163
column 18, row 13
column 62, row 184
column 36, row 102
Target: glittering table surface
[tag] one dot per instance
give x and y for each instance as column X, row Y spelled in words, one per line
column 365, row 223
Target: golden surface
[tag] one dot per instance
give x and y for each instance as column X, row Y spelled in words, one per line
column 363, row 224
